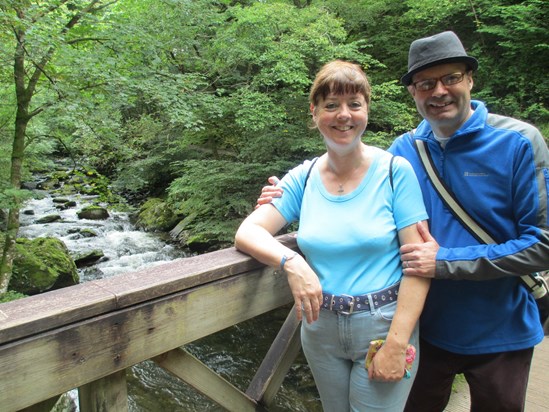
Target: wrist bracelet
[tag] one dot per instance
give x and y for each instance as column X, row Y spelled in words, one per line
column 285, row 259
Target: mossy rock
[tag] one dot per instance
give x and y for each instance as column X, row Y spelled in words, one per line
column 48, row 219
column 42, row 264
column 93, row 213
column 88, row 258
column 156, row 215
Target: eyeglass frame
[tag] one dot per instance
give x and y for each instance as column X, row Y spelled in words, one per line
column 440, row 79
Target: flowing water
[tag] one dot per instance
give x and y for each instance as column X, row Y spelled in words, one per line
column 234, row 353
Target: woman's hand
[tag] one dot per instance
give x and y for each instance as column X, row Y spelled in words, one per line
column 305, row 287
column 388, row 364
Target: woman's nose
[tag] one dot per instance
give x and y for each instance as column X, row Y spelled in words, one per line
column 343, row 111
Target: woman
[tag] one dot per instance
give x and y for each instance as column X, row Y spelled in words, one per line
column 354, row 210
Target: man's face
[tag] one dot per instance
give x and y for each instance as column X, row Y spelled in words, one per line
column 445, row 107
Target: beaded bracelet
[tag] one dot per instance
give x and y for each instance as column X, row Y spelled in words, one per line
column 285, row 259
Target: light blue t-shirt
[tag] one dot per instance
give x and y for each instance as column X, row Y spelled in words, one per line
column 351, row 241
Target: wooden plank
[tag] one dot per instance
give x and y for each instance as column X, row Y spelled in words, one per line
column 39, row 313
column 105, row 395
column 150, row 283
column 188, row 368
column 277, row 362
column 28, row 316
column 538, row 383
column 86, row 351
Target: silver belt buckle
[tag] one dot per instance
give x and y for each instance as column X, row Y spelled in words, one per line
column 351, row 305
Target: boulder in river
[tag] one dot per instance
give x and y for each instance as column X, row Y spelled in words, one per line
column 48, row 218
column 93, row 213
column 42, row 264
column 156, row 215
column 89, row 258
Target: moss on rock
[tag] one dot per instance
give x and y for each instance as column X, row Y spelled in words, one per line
column 156, row 215
column 93, row 213
column 42, row 264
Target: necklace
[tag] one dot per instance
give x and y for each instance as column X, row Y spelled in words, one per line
column 341, row 188
column 357, row 165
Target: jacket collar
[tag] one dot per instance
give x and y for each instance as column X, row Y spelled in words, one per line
column 476, row 122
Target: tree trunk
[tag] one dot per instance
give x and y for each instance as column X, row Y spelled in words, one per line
column 18, row 149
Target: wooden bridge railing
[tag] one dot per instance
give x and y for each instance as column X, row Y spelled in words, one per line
column 86, row 336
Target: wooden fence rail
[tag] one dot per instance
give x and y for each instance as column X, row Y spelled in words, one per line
column 86, row 336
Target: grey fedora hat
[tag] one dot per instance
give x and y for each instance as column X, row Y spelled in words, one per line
column 430, row 51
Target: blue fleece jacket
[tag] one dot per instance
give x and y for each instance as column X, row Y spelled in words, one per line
column 498, row 168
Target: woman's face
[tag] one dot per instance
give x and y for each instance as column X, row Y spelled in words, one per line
column 341, row 119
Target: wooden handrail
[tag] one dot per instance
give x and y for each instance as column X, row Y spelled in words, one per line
column 79, row 336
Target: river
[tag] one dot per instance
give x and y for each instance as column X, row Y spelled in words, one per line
column 234, row 353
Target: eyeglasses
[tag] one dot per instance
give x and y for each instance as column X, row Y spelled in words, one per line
column 447, row 80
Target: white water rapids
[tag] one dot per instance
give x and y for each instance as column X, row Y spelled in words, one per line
column 125, row 248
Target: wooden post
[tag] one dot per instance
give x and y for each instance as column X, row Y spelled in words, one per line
column 277, row 362
column 105, row 395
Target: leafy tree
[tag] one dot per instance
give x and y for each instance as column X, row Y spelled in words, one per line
column 38, row 31
column 172, row 97
column 263, row 62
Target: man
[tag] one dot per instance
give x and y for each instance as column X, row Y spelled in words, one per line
column 478, row 319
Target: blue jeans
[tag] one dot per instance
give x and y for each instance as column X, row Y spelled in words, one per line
column 335, row 347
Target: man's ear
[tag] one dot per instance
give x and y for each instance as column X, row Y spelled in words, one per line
column 411, row 90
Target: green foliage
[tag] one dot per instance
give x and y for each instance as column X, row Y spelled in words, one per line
column 11, row 295
column 218, row 195
column 10, row 197
column 204, row 99
column 515, row 54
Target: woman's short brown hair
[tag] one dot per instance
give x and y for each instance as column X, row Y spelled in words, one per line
column 339, row 77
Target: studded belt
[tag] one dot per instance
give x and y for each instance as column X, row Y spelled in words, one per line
column 347, row 304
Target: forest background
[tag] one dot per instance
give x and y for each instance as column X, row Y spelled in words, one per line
column 197, row 102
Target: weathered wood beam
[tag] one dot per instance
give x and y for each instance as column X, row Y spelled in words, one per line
column 74, row 355
column 44, row 406
column 105, row 395
column 193, row 372
column 40, row 313
column 277, row 362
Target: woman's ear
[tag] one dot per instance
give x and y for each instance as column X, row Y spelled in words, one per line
column 312, row 108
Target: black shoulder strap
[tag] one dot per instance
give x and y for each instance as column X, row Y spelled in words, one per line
column 448, row 197
column 534, row 282
column 391, row 171
column 309, row 173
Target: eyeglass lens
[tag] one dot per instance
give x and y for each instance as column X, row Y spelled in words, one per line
column 447, row 80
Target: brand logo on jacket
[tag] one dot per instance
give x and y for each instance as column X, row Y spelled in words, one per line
column 475, row 174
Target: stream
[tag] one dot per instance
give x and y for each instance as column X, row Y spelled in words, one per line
column 234, row 353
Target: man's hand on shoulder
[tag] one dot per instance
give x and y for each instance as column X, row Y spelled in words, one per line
column 269, row 192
